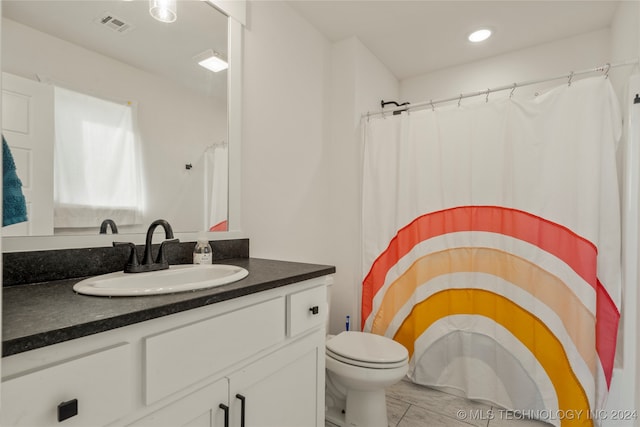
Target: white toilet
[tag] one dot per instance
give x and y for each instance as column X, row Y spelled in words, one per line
column 359, row 367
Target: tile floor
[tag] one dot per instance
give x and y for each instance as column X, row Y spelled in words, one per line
column 411, row 405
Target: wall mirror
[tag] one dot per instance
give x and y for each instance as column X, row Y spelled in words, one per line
column 175, row 166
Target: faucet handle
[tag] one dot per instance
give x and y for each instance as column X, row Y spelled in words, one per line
column 160, row 259
column 133, row 255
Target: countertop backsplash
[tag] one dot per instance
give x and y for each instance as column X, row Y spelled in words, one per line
column 20, row 268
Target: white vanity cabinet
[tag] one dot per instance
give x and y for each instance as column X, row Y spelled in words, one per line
column 278, row 390
column 254, row 361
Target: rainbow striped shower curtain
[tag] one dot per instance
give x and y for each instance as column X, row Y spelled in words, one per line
column 491, row 247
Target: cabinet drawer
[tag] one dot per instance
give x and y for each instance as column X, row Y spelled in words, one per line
column 306, row 309
column 101, row 383
column 184, row 356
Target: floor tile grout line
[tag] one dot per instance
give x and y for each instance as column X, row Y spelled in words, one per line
column 404, row 413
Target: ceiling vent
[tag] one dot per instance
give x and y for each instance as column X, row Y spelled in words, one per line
column 109, row 20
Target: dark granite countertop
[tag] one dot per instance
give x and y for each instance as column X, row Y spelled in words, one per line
column 38, row 315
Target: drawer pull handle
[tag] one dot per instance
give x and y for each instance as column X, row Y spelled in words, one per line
column 314, row 310
column 67, row 410
column 242, row 408
column 225, row 408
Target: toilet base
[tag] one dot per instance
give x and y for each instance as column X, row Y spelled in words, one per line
column 335, row 416
column 363, row 409
column 366, row 408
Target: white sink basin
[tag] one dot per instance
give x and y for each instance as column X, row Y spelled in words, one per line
column 178, row 278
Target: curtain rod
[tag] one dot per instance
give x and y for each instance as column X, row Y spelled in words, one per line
column 603, row 68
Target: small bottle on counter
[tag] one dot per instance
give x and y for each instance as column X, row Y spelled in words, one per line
column 202, row 253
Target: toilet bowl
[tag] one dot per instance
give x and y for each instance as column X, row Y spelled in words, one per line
column 359, row 366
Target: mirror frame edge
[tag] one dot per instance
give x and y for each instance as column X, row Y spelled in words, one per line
column 236, row 15
column 234, row 127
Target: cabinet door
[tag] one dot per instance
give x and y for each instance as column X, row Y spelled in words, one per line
column 90, row 390
column 198, row 409
column 285, row 389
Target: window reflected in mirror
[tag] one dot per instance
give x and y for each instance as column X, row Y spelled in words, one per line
column 97, row 170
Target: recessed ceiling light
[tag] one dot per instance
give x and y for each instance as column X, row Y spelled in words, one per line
column 480, row 35
column 211, row 61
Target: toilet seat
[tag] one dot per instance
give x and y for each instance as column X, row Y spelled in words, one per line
column 362, row 364
column 367, row 350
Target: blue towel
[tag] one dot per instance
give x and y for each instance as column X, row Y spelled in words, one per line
column 14, row 206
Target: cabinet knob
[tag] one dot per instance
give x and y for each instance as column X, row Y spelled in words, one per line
column 314, row 310
column 67, row 410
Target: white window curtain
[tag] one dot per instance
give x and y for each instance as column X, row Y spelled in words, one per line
column 97, row 166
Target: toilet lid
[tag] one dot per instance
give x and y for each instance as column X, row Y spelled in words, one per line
column 367, row 348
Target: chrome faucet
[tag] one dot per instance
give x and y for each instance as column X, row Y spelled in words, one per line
column 148, row 264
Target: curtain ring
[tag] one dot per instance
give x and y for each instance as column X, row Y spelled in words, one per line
column 513, row 90
column 487, row 98
column 368, row 116
column 432, row 107
column 606, row 73
column 459, row 100
column 570, row 78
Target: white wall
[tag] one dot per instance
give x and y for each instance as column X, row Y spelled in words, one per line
column 285, row 165
column 301, row 144
column 358, row 82
column 176, row 125
column 625, row 44
column 550, row 59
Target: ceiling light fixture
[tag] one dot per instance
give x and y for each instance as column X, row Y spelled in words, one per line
column 163, row 10
column 479, row 35
column 211, row 61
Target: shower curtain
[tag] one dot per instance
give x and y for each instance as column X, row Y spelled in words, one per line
column 491, row 247
column 216, row 179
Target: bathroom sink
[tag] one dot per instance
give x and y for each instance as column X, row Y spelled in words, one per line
column 178, row 278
